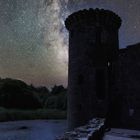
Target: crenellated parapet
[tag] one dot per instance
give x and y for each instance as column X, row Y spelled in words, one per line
column 93, row 17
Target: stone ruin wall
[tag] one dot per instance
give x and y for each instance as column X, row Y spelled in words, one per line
column 94, row 35
column 128, row 85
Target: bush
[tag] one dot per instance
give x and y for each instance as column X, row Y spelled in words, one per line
column 58, row 101
column 15, row 94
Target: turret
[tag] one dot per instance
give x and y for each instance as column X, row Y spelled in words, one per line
column 93, row 47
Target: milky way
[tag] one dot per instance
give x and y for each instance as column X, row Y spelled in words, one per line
column 33, row 39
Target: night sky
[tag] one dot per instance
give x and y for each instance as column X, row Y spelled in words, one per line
column 33, row 38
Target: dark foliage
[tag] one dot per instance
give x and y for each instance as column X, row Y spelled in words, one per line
column 57, row 89
column 42, row 93
column 57, row 99
column 15, row 94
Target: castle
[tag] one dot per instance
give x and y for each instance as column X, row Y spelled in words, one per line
column 103, row 80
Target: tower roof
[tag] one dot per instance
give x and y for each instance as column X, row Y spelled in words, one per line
column 93, row 17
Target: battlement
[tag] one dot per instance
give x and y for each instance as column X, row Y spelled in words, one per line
column 93, row 17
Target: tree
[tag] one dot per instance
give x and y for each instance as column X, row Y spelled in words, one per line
column 16, row 94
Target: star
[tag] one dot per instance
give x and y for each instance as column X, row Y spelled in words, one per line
column 34, row 40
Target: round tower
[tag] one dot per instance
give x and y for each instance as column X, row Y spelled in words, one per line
column 93, row 47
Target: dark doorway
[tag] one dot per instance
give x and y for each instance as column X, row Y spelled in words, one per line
column 100, row 84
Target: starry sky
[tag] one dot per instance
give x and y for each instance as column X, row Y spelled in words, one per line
column 34, row 41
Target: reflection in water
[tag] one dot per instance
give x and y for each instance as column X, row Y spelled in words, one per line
column 32, row 130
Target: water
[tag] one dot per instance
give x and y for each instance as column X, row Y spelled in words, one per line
column 32, row 130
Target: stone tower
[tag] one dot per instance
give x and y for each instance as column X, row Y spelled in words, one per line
column 93, row 47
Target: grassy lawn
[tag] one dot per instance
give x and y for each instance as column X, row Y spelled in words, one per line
column 14, row 114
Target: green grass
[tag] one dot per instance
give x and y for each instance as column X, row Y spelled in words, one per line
column 14, row 114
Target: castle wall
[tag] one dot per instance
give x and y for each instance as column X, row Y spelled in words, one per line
column 129, row 85
column 83, row 100
column 102, row 80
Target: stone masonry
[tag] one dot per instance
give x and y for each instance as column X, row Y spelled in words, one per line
column 103, row 80
column 93, row 48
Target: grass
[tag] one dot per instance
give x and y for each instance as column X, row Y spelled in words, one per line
column 14, row 114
